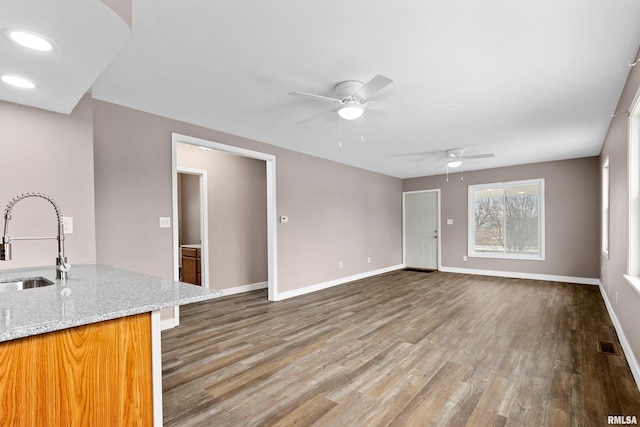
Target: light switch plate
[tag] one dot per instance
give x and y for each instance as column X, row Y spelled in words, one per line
column 67, row 224
column 449, row 221
column 165, row 222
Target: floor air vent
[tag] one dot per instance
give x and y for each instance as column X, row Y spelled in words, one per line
column 606, row 347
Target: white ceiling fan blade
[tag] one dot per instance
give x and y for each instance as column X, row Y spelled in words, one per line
column 372, row 86
column 391, row 106
column 420, row 154
column 316, row 97
column 479, row 156
column 315, row 117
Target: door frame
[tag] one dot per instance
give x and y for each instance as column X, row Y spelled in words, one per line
column 272, row 223
column 438, row 227
column 204, row 220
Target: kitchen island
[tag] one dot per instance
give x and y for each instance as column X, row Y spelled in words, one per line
column 86, row 350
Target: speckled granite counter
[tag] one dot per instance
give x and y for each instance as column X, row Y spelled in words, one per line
column 92, row 293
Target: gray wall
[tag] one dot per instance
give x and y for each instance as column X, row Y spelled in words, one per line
column 49, row 153
column 337, row 212
column 571, row 213
column 237, row 210
column 627, row 304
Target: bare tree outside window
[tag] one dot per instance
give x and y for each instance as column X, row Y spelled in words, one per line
column 489, row 220
column 507, row 218
column 521, row 217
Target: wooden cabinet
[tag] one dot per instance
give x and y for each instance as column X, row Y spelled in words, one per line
column 191, row 265
column 96, row 374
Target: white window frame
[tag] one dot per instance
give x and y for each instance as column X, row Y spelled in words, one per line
column 604, row 205
column 633, row 261
column 471, row 252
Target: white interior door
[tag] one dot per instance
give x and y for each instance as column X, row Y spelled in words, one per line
column 421, row 230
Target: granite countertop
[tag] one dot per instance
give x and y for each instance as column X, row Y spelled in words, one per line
column 92, row 293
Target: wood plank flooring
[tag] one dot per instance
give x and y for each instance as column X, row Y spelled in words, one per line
column 400, row 349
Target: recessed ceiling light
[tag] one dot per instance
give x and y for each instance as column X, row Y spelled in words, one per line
column 29, row 40
column 18, row 82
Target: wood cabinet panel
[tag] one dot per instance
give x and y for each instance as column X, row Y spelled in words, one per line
column 191, row 266
column 190, row 252
column 96, row 374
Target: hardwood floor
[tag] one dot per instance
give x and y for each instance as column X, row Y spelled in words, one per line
column 400, row 349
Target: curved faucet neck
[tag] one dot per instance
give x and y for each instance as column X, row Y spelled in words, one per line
column 15, row 200
column 5, row 248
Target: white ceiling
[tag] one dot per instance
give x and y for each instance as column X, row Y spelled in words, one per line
column 528, row 81
column 87, row 36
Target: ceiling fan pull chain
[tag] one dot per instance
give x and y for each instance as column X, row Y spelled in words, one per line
column 362, row 128
column 339, row 132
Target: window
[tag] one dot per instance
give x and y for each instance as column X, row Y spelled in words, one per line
column 604, row 174
column 506, row 220
column 634, row 193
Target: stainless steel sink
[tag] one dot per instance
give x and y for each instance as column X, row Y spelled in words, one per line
column 23, row 283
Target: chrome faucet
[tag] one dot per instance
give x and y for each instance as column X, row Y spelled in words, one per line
column 62, row 267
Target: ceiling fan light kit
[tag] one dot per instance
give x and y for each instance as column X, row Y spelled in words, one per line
column 454, row 157
column 454, row 163
column 350, row 110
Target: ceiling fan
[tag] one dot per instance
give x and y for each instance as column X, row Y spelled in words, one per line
column 456, row 157
column 351, row 98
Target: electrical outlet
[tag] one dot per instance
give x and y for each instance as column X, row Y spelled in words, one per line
column 165, row 222
column 464, row 257
column 67, row 224
column 340, row 264
column 368, row 260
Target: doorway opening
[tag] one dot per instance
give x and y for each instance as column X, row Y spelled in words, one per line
column 193, row 225
column 421, row 230
column 271, row 219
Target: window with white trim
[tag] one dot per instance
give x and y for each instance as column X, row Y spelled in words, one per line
column 604, row 214
column 634, row 193
column 633, row 269
column 506, row 220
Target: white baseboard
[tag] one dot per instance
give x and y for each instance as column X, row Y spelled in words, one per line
column 170, row 322
column 244, row 288
column 628, row 352
column 519, row 275
column 324, row 285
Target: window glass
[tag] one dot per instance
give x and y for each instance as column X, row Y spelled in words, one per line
column 605, row 206
column 488, row 218
column 522, row 219
column 506, row 219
